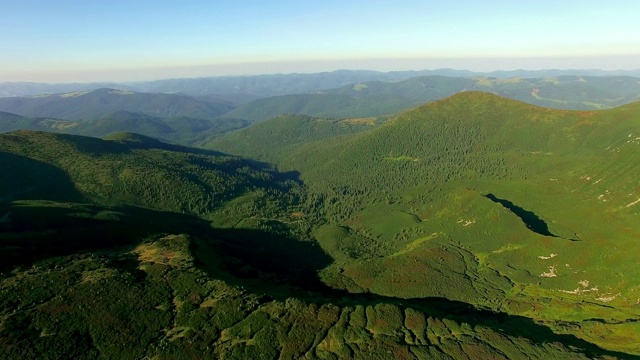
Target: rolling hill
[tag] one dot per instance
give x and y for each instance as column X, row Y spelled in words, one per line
column 128, row 169
column 240, row 89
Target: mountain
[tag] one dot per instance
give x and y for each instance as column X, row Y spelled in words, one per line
column 95, row 103
column 321, row 105
column 377, row 98
column 562, row 92
column 276, row 138
column 240, row 89
column 474, row 226
column 480, row 199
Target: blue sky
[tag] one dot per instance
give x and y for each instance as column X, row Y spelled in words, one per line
column 92, row 40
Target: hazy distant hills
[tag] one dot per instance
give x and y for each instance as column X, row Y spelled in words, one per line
column 192, row 120
column 94, row 103
column 240, row 89
column 377, row 98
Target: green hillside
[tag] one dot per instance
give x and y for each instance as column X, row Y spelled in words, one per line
column 473, row 226
column 95, row 103
column 485, row 200
column 321, row 105
column 103, row 256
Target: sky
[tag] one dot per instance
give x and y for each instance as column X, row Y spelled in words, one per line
column 133, row 40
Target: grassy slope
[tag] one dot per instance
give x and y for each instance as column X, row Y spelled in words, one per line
column 407, row 202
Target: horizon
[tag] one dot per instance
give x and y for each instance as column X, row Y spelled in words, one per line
column 186, row 74
column 72, row 41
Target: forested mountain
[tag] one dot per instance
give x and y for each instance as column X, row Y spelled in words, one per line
column 127, row 169
column 475, row 190
column 321, row 105
column 474, row 226
column 277, row 138
column 94, row 103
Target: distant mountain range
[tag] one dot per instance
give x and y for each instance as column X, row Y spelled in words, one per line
column 93, row 103
column 377, row 98
column 243, row 88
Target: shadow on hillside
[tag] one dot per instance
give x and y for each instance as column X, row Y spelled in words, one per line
column 529, row 218
column 25, row 178
column 281, row 267
column 34, row 230
column 277, row 266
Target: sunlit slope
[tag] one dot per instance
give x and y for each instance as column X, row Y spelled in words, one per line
column 172, row 296
column 490, row 201
column 276, row 138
